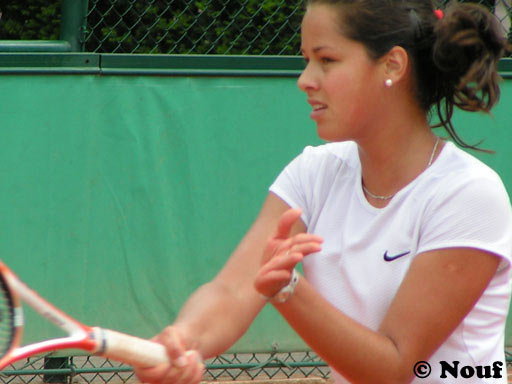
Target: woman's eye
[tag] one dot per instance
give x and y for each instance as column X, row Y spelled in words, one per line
column 326, row 60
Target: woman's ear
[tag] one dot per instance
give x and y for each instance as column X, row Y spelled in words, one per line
column 395, row 64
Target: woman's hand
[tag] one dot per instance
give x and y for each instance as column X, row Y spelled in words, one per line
column 282, row 253
column 186, row 366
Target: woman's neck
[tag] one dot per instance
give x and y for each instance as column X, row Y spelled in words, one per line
column 394, row 158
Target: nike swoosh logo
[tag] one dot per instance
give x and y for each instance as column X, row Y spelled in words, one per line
column 394, row 257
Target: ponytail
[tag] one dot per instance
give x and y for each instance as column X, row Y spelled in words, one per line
column 467, row 47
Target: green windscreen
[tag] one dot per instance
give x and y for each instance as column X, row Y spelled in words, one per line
column 119, row 195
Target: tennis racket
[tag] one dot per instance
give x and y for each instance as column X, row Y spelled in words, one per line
column 127, row 349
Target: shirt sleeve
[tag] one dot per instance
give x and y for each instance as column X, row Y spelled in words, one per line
column 471, row 212
column 294, row 183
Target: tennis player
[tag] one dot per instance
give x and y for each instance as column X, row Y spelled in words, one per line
column 405, row 239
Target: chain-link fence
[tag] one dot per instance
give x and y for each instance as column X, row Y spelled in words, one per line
column 253, row 27
column 240, row 367
column 256, row 27
column 201, row 27
column 228, row 367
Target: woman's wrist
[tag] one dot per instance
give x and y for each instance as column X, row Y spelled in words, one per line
column 286, row 292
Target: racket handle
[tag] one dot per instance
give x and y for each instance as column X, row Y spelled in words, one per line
column 131, row 350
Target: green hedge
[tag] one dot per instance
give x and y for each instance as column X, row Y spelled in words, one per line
column 30, row 20
column 199, row 27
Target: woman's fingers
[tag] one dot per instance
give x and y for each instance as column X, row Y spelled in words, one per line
column 303, row 243
column 268, row 284
column 286, row 221
column 151, row 375
column 186, row 367
column 191, row 372
column 286, row 262
column 283, row 253
column 172, row 339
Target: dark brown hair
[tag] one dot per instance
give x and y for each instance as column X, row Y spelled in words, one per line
column 454, row 59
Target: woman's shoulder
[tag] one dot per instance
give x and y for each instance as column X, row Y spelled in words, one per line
column 457, row 164
column 337, row 152
column 463, row 177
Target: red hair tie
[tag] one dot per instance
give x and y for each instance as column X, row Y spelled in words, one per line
column 439, row 14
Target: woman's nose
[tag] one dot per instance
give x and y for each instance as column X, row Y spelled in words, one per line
column 307, row 80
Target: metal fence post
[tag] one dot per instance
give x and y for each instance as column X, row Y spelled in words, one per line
column 55, row 363
column 73, row 23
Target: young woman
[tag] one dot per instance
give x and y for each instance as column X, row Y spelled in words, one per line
column 405, row 240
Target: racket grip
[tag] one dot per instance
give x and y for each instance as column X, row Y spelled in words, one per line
column 131, row 350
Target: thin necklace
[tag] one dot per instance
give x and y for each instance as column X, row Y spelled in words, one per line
column 380, row 197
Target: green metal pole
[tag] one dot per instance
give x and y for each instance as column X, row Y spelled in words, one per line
column 55, row 363
column 73, row 23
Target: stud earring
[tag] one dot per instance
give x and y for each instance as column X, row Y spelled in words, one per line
column 388, row 83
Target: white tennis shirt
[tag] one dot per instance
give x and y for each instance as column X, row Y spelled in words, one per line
column 457, row 202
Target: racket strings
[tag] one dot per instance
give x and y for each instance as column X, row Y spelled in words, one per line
column 7, row 323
